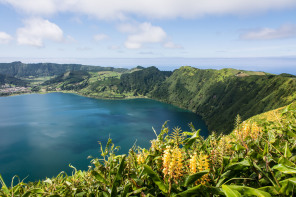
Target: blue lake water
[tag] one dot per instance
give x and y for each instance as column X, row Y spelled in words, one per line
column 41, row 134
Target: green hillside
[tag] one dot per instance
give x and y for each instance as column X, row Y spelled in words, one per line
column 219, row 95
column 19, row 69
column 5, row 79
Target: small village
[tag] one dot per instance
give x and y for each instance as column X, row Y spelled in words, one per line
column 7, row 89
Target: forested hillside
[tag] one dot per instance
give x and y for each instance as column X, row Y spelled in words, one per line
column 19, row 69
column 143, row 81
column 4, row 79
column 219, row 95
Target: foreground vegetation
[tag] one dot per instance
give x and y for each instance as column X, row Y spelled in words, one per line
column 256, row 159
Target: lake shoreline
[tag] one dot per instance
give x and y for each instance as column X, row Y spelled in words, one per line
column 110, row 98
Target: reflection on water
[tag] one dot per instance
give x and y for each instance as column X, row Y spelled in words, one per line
column 41, row 134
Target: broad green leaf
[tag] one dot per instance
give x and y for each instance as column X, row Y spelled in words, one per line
column 155, row 178
column 238, row 165
column 271, row 137
column 288, row 186
column 286, row 162
column 126, row 189
column 192, row 178
column 230, row 192
column 138, row 191
column 287, row 151
column 266, row 151
column 238, row 147
column 245, row 191
column 291, row 134
column 266, row 175
column 4, row 187
column 285, row 169
column 99, row 177
column 33, row 191
column 190, row 141
column 118, row 177
column 269, row 189
column 194, row 191
column 80, row 194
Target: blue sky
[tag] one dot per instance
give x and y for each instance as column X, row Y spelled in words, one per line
column 246, row 34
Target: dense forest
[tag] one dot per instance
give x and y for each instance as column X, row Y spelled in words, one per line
column 5, row 79
column 19, row 69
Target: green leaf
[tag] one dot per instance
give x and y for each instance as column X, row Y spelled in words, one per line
column 288, row 186
column 287, row 151
column 4, row 187
column 271, row 137
column 266, row 151
column 138, row 191
column 249, row 191
column 192, row 178
column 266, row 175
column 269, row 189
column 238, row 165
column 286, row 162
column 285, row 169
column 291, row 134
column 118, row 177
column 99, row 177
column 229, row 192
column 80, row 194
column 190, row 141
column 33, row 191
column 126, row 189
column 194, row 191
column 155, row 178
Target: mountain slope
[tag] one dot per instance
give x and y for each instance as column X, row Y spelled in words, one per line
column 5, row 79
column 219, row 95
column 19, row 69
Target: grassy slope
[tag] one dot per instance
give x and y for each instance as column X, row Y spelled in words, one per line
column 219, row 95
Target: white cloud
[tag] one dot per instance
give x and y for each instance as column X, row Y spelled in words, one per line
column 119, row 9
column 5, row 38
column 36, row 30
column 141, row 34
column 100, row 37
column 285, row 31
column 171, row 45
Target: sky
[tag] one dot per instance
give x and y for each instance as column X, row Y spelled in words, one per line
column 245, row 34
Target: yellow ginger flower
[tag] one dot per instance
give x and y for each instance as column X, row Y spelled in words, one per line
column 166, row 161
column 248, row 129
column 225, row 145
column 255, row 132
column 202, row 165
column 141, row 157
column 193, row 163
column 172, row 163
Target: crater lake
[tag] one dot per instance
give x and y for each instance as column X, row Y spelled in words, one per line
column 41, row 134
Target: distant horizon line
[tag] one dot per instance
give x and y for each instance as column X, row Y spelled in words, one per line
column 275, row 65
